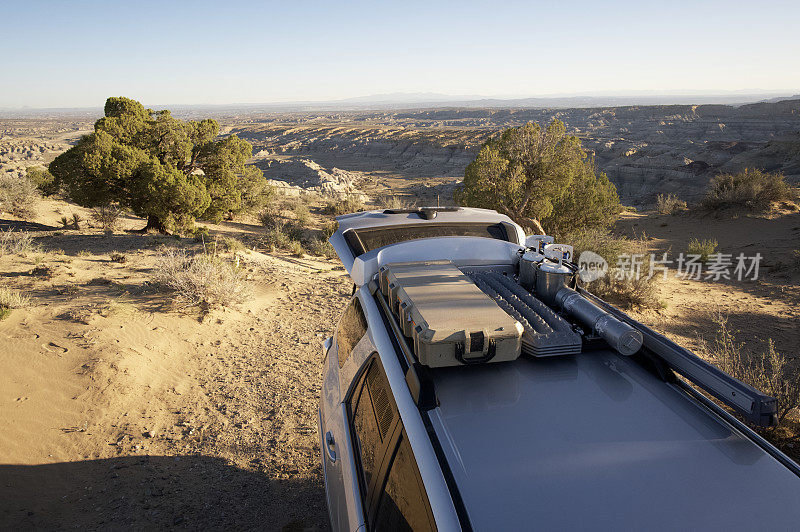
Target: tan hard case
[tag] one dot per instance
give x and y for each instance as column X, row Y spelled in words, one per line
column 450, row 320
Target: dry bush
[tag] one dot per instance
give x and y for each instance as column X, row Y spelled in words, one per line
column 118, row 257
column 320, row 247
column 226, row 244
column 301, row 213
column 11, row 299
column 626, row 289
column 18, row 195
column 329, row 228
column 205, row 279
column 703, row 248
column 107, row 216
column 749, row 189
column 296, row 248
column 18, row 243
column 670, row 204
column 337, row 207
column 770, row 372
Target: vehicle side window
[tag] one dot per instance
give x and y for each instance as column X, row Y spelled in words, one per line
column 352, row 328
column 367, row 438
column 403, row 503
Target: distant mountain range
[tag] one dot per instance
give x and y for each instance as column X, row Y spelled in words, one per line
column 401, row 100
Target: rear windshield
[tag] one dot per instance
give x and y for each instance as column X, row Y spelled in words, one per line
column 364, row 240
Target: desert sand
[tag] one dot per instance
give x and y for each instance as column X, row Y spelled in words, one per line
column 120, row 410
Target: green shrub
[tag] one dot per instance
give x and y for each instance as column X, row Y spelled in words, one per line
column 750, row 189
column 43, row 179
column 669, row 204
column 704, row 248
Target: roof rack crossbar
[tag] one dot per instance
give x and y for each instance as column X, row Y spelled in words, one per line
column 758, row 408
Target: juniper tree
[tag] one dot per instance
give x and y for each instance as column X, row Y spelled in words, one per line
column 540, row 177
column 168, row 170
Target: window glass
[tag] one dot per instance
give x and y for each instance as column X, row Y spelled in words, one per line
column 403, row 503
column 352, row 328
column 374, row 238
column 368, row 440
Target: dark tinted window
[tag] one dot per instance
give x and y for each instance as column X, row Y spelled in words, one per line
column 352, row 327
column 369, row 239
column 403, row 502
column 368, row 440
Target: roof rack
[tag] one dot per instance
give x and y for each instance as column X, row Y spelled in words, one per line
column 426, row 213
column 758, row 408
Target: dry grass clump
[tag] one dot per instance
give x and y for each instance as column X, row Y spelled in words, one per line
column 749, row 189
column 345, row 205
column 770, row 372
column 107, row 217
column 11, row 299
column 18, row 195
column 394, row 202
column 18, row 243
column 204, row 279
column 703, row 248
column 627, row 287
column 670, row 204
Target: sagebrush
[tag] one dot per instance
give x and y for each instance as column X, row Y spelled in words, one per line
column 203, row 279
column 749, row 189
column 351, row 203
column 770, row 372
column 629, row 281
column 670, row 204
column 18, row 195
column 702, row 248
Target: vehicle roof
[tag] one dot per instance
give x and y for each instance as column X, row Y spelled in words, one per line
column 594, row 441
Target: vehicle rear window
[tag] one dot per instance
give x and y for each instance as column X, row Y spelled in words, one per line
column 402, row 504
column 364, row 240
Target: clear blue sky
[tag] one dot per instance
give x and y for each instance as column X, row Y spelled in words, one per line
column 76, row 53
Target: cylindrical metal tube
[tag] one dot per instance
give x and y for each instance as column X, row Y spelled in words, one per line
column 619, row 335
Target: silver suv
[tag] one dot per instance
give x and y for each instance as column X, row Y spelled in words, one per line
column 590, row 439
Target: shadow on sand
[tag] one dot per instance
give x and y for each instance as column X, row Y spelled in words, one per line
column 156, row 492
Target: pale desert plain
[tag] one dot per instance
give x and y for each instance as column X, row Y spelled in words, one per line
column 120, row 408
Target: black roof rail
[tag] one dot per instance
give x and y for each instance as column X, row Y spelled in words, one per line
column 757, row 407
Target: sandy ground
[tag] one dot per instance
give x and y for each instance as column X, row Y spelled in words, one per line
column 120, row 411
column 758, row 310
